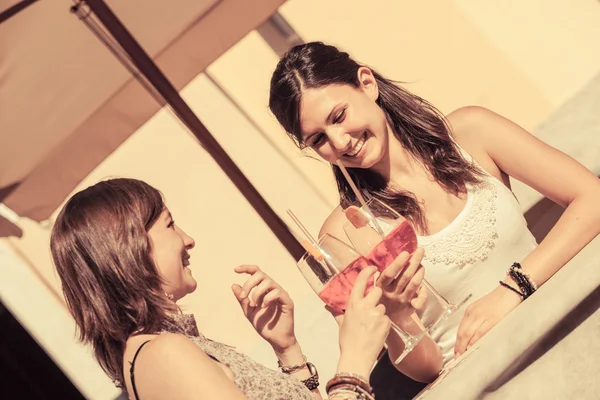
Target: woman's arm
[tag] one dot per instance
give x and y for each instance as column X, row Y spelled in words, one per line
column 173, row 367
column 554, row 174
column 362, row 332
column 270, row 310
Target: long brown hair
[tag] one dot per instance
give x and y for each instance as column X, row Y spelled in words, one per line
column 102, row 253
column 421, row 129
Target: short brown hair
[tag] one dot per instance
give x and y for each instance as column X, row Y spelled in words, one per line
column 102, row 253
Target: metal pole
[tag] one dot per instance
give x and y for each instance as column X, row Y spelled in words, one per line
column 154, row 75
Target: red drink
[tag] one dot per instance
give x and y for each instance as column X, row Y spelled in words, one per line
column 402, row 238
column 337, row 291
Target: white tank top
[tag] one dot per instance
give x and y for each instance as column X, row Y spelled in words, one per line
column 473, row 253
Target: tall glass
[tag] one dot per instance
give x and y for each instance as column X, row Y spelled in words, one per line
column 380, row 241
column 332, row 276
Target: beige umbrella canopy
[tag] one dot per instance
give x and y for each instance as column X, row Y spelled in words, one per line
column 69, row 96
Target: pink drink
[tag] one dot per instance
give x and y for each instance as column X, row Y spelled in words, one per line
column 402, row 238
column 337, row 291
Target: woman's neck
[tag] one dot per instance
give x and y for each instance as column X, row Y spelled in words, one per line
column 398, row 164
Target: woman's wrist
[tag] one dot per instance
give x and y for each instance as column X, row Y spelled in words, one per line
column 406, row 322
column 349, row 386
column 400, row 317
column 354, row 365
column 291, row 354
column 293, row 362
column 508, row 295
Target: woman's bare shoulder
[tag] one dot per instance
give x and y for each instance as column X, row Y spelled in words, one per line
column 173, row 366
column 473, row 128
column 467, row 125
column 166, row 350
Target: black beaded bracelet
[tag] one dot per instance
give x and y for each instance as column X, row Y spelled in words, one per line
column 513, row 289
column 525, row 281
column 520, row 277
column 519, row 281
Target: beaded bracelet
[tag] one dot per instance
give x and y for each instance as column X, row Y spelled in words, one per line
column 521, row 283
column 516, row 267
column 522, row 279
column 312, row 382
column 292, row 368
column 512, row 288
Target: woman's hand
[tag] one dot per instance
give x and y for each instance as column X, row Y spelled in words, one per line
column 268, row 307
column 482, row 315
column 364, row 329
column 401, row 286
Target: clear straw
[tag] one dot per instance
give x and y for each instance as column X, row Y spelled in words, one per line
column 303, row 229
column 324, row 257
column 359, row 197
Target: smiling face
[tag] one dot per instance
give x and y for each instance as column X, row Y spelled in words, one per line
column 170, row 246
column 344, row 122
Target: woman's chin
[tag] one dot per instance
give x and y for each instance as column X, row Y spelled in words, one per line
column 368, row 161
column 373, row 159
column 191, row 286
column 190, row 282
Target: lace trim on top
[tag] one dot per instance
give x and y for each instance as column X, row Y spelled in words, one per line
column 474, row 237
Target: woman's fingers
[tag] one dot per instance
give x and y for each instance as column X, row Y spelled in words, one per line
column 254, row 280
column 260, row 290
column 273, row 296
column 412, row 287
column 372, row 298
column 244, row 301
column 415, row 261
column 467, row 328
column 360, row 285
column 418, row 303
column 247, row 269
column 392, row 271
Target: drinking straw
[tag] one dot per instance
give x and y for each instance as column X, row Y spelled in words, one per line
column 359, row 197
column 311, row 245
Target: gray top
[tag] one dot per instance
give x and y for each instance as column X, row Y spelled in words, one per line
column 256, row 381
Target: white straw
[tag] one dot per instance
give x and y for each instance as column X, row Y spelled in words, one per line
column 359, row 197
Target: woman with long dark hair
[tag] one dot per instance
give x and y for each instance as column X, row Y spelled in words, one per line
column 447, row 175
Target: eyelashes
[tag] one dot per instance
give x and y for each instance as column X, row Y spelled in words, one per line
column 318, row 138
